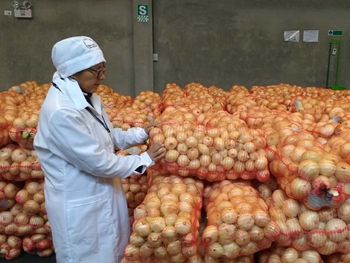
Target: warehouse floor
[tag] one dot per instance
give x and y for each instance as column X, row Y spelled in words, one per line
column 27, row 258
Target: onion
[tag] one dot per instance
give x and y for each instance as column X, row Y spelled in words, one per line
column 290, row 255
column 317, row 239
column 203, row 149
column 336, row 230
column 309, row 220
column 300, row 188
column 308, row 169
column 157, row 224
column 278, row 198
column 191, row 142
column 301, row 243
column 342, row 172
column 242, row 237
column 193, row 154
column 182, row 226
column 169, row 232
column 145, row 251
column 160, row 252
column 5, row 218
column 256, row 234
column 290, row 208
column 261, row 218
column 329, row 248
column 229, row 215
column 231, row 250
column 327, row 167
column 226, row 233
column 182, row 148
column 215, row 250
column 344, row 212
column 311, row 256
column 154, row 240
column 245, row 221
column 136, row 240
column 210, row 234
column 142, row 228
column 174, row 248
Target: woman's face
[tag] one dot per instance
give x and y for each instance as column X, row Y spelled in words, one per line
column 89, row 79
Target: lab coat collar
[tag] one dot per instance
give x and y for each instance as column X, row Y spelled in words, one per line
column 71, row 88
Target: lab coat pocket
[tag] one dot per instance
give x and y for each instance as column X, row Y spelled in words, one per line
column 84, row 217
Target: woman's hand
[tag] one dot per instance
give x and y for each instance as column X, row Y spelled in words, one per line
column 156, row 152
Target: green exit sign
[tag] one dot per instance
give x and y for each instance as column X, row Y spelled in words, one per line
column 142, row 14
column 335, row 33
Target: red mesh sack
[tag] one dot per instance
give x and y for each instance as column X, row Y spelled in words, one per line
column 166, row 223
column 238, row 222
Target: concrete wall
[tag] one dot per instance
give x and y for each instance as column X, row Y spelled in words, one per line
column 220, row 42
column 25, row 45
column 227, row 42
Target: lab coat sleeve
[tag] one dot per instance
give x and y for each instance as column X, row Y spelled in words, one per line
column 71, row 140
column 131, row 137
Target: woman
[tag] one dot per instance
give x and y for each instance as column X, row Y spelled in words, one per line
column 75, row 143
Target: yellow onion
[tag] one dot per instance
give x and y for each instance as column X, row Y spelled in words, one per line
column 145, row 251
column 171, row 156
column 290, row 255
column 170, row 143
column 142, row 228
column 344, row 212
column 132, row 252
column 311, row 256
column 183, row 160
column 174, row 248
column 317, row 238
column 336, row 230
column 290, row 208
column 182, row 226
column 309, row 220
column 300, row 188
column 215, row 250
column 342, row 172
column 309, row 170
column 210, row 234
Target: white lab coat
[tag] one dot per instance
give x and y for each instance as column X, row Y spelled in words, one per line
column 87, row 210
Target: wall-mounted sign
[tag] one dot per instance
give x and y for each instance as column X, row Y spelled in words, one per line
column 142, row 14
column 291, row 36
column 335, row 33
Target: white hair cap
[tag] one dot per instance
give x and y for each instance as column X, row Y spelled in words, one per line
column 75, row 54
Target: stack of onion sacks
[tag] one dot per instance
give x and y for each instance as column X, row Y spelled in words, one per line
column 212, row 146
column 10, row 246
column 166, row 223
column 302, row 167
column 19, row 164
column 135, row 189
column 325, row 231
column 238, row 222
column 16, row 221
column 289, row 255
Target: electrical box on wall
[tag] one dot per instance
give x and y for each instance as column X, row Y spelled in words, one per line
column 22, row 9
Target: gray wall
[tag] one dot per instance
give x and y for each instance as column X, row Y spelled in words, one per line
column 225, row 42
column 25, row 45
column 220, row 42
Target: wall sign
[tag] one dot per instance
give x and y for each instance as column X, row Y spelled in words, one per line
column 142, row 14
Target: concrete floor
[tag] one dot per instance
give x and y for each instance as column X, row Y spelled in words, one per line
column 27, row 258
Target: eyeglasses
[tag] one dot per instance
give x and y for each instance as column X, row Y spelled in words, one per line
column 98, row 71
